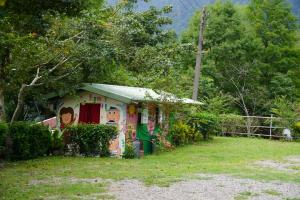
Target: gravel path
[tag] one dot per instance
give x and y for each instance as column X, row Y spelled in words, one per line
column 201, row 186
column 207, row 187
column 290, row 164
column 212, row 186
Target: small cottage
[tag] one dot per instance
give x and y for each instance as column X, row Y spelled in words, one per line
column 135, row 111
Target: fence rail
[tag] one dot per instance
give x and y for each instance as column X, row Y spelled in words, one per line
column 254, row 134
column 262, row 126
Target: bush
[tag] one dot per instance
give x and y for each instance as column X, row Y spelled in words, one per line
column 232, row 123
column 26, row 141
column 286, row 110
column 205, row 123
column 3, row 134
column 57, row 144
column 92, row 139
column 181, row 133
column 296, row 130
column 129, row 152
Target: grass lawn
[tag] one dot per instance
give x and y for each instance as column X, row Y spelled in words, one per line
column 233, row 156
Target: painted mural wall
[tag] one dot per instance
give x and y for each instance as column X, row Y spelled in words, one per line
column 112, row 112
column 132, row 120
column 151, row 118
column 83, row 108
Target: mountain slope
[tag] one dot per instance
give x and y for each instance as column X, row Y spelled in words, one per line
column 184, row 9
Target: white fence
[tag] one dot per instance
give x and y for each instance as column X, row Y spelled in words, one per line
column 262, row 126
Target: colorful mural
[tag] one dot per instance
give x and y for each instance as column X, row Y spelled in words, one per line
column 111, row 112
column 151, row 118
column 113, row 116
column 132, row 119
column 67, row 117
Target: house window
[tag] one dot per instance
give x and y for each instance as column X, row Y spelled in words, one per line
column 89, row 113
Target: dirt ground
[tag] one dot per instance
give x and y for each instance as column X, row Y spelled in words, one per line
column 211, row 186
column 207, row 187
column 200, row 186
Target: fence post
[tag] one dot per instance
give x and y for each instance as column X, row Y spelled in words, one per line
column 271, row 125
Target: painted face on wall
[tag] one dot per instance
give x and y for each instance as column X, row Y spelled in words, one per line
column 113, row 115
column 66, row 116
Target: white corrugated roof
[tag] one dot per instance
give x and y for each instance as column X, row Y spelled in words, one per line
column 133, row 94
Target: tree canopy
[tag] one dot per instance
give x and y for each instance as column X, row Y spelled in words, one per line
column 251, row 54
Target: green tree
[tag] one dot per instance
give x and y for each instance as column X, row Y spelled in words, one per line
column 275, row 25
column 250, row 54
column 148, row 54
column 90, row 44
column 286, row 111
column 231, row 54
column 38, row 60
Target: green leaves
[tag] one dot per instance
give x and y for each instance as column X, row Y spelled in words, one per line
column 273, row 21
column 286, row 110
column 92, row 139
column 181, row 134
column 250, row 52
column 206, row 123
column 26, row 141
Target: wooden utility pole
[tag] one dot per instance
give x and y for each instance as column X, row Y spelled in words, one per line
column 199, row 55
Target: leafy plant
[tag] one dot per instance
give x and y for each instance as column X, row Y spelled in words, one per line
column 178, row 133
column 27, row 140
column 231, row 123
column 296, row 129
column 181, row 133
column 206, row 124
column 129, row 152
column 219, row 104
column 57, row 144
column 92, row 139
column 286, row 111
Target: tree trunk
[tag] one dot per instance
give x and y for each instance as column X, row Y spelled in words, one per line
column 248, row 126
column 248, row 120
column 199, row 56
column 19, row 104
column 2, row 106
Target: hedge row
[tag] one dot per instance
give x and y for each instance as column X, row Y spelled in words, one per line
column 199, row 125
column 208, row 124
column 91, row 140
column 24, row 140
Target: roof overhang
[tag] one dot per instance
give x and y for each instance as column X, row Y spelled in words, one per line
column 128, row 94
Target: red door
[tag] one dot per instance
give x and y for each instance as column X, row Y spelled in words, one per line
column 89, row 114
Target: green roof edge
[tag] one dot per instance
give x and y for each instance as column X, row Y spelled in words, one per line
column 90, row 88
